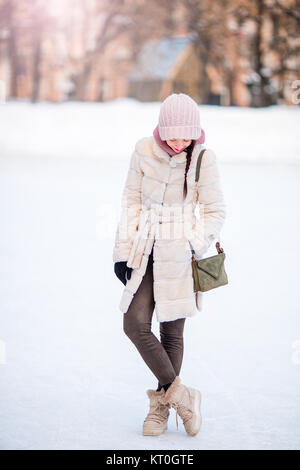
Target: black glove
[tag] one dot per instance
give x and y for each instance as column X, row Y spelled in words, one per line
column 122, row 271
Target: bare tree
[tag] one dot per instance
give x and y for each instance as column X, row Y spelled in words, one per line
column 284, row 40
column 138, row 20
column 9, row 32
column 39, row 26
column 206, row 22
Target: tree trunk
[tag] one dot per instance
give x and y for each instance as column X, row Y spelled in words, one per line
column 36, row 75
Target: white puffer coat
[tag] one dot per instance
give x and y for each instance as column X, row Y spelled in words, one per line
column 154, row 215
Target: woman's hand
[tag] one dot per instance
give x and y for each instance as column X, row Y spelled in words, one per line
column 122, row 271
column 199, row 253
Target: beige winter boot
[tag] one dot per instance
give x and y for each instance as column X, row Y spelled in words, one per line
column 156, row 420
column 186, row 401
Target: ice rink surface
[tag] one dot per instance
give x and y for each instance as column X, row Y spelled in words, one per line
column 69, row 377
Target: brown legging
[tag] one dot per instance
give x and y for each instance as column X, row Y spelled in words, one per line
column 163, row 358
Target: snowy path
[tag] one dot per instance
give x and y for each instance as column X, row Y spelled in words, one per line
column 73, row 380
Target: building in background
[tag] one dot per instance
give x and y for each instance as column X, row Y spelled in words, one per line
column 68, row 51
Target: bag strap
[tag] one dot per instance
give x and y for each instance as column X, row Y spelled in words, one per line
column 218, row 246
column 198, row 164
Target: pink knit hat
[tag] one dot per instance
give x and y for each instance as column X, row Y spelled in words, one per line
column 163, row 144
column 179, row 118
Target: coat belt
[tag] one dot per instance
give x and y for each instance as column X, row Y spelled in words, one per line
column 149, row 218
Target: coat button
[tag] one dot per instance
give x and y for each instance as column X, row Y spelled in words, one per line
column 172, row 163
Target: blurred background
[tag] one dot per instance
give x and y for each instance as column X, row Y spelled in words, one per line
column 230, row 53
column 80, row 82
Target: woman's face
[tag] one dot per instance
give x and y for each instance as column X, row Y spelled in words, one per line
column 178, row 145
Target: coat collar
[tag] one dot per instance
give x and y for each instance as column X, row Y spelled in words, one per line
column 159, row 152
column 179, row 157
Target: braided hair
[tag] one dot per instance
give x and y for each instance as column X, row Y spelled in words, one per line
column 189, row 151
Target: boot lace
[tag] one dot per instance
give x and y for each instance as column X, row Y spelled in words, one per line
column 183, row 411
column 158, row 413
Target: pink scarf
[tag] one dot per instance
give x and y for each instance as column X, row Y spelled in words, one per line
column 163, row 143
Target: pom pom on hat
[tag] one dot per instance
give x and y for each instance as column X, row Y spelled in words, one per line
column 179, row 118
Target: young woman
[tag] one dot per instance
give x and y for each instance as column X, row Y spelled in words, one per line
column 157, row 232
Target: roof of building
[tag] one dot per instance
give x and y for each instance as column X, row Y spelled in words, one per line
column 158, row 56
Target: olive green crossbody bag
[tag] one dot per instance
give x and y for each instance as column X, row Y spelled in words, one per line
column 208, row 273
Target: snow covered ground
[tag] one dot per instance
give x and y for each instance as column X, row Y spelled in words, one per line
column 69, row 377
